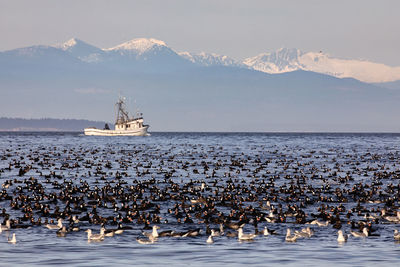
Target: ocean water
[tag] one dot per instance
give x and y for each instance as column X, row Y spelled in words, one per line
column 372, row 159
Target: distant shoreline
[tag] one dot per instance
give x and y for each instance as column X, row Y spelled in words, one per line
column 47, row 125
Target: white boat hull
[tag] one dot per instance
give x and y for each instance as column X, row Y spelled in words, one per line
column 99, row 132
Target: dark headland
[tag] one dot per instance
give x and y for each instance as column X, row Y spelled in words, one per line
column 47, row 124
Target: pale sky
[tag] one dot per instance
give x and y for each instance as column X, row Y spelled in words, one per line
column 357, row 29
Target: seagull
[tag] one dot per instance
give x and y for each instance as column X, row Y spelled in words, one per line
column 12, row 240
column 218, row 232
column 55, row 226
column 396, row 235
column 62, row 232
column 243, row 236
column 94, row 237
column 153, row 234
column 341, row 238
column 215, row 233
column 305, row 232
column 210, row 240
column 320, row 223
column 151, row 240
column 6, row 227
column 221, row 229
column 265, row 232
column 364, row 233
column 289, row 237
column 395, row 219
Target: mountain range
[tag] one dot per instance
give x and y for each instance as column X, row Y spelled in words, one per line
column 280, row 61
column 285, row 90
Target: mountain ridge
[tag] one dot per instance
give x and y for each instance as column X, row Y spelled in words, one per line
column 285, row 60
column 279, row 61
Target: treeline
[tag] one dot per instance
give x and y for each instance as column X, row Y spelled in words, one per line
column 47, row 124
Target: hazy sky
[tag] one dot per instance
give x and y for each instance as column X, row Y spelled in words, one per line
column 362, row 29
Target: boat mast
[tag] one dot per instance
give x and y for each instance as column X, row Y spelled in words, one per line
column 122, row 114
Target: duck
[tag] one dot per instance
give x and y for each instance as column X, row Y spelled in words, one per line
column 364, row 233
column 94, row 237
column 341, row 238
column 242, row 236
column 119, row 230
column 210, row 239
column 234, row 226
column 192, row 233
column 179, row 234
column 12, row 240
column 267, row 232
column 289, row 237
column 75, row 219
column 267, row 206
column 231, row 234
column 107, row 233
column 73, row 228
column 165, row 233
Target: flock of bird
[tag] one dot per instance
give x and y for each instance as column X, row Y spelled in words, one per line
column 199, row 190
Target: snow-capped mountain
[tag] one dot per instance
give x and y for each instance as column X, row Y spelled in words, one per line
column 142, row 48
column 145, row 53
column 283, row 60
column 286, row 60
column 37, row 56
column 139, row 46
column 207, row 59
column 82, row 50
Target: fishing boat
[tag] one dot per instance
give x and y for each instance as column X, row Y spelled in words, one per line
column 124, row 124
